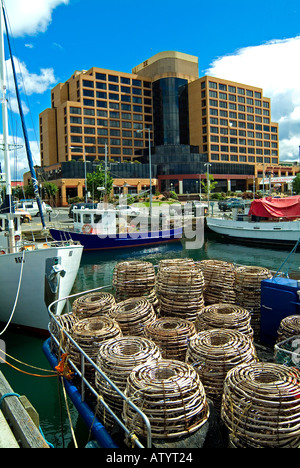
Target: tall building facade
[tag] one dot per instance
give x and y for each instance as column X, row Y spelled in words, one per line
column 191, row 122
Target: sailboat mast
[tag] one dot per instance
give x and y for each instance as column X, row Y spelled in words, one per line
column 26, row 138
column 5, row 137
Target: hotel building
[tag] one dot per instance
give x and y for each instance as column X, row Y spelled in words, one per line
column 187, row 121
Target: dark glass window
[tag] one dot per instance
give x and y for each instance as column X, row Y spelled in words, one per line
column 170, row 111
column 101, row 76
column 113, row 78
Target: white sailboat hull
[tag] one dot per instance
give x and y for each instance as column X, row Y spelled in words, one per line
column 36, row 287
column 278, row 232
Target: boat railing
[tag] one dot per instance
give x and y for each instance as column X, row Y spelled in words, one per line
column 85, row 384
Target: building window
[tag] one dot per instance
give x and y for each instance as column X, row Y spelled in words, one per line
column 88, row 84
column 113, row 78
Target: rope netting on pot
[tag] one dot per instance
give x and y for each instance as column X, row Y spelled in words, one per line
column 248, row 291
column 93, row 304
column 135, row 279
column 89, row 334
column 133, row 315
column 179, row 290
column 172, row 336
column 117, row 358
column 171, row 394
column 229, row 316
column 213, row 353
column 288, row 327
column 219, row 279
column 261, row 406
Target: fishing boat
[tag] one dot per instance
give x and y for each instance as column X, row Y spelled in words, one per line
column 104, row 228
column 31, row 273
column 268, row 221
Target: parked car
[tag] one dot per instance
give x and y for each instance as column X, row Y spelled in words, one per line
column 30, row 206
column 128, row 210
column 229, row 203
column 48, row 208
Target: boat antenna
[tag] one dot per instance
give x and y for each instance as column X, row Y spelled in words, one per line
column 27, row 145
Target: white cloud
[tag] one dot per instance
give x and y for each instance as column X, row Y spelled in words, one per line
column 275, row 68
column 31, row 17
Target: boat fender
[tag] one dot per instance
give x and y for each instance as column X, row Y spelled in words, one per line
column 87, row 229
column 2, row 252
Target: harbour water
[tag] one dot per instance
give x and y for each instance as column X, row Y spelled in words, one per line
column 96, row 270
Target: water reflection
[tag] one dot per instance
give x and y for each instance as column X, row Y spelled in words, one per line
column 97, row 267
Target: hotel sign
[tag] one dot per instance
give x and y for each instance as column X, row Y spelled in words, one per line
column 278, row 180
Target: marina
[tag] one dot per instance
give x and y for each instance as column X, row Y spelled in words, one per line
column 96, row 270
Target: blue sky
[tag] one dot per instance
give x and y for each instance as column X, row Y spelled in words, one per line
column 256, row 43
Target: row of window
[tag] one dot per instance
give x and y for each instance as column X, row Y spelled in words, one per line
column 116, row 88
column 117, row 79
column 116, row 97
column 233, row 89
column 243, row 141
column 233, row 131
column 105, row 141
column 240, row 149
column 244, row 159
column 94, row 150
column 233, row 98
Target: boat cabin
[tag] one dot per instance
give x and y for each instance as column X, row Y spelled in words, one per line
column 95, row 221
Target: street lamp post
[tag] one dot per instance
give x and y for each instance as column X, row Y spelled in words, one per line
column 208, row 184
column 150, row 166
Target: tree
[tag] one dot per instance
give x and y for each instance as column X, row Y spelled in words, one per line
column 96, row 180
column 296, row 184
column 212, row 183
column 51, row 189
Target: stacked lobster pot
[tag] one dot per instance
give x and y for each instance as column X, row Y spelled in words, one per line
column 117, row 358
column 89, row 334
column 261, row 406
column 135, row 279
column 179, row 289
column 248, row 291
column 228, row 316
column 171, row 395
column 213, row 353
column 219, row 279
column 93, row 304
column 172, row 336
column 133, row 315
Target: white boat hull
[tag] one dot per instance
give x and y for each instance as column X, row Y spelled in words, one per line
column 278, row 232
column 36, row 286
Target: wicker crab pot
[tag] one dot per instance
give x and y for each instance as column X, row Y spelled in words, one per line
column 89, row 334
column 93, row 304
column 213, row 353
column 229, row 316
column 133, row 315
column 66, row 321
column 261, row 406
column 135, row 279
column 288, row 327
column 172, row 336
column 171, row 395
column 179, row 290
column 117, row 358
column 248, row 291
column 219, row 279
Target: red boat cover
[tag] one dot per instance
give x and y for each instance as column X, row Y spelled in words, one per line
column 276, row 207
